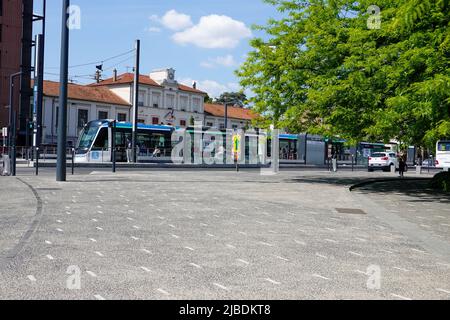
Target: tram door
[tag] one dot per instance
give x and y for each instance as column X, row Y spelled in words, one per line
column 121, row 144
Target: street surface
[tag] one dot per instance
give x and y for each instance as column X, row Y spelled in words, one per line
column 218, row 234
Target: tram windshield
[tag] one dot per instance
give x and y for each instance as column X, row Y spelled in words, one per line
column 88, row 135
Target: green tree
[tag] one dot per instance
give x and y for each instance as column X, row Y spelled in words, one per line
column 236, row 98
column 208, row 99
column 322, row 69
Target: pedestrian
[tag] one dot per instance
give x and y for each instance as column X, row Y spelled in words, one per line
column 129, row 150
column 401, row 166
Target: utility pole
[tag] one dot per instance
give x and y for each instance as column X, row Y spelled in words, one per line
column 61, row 165
column 226, row 115
column 38, row 97
column 136, row 101
column 12, row 123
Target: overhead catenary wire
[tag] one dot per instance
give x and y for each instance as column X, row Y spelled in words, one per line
column 91, row 76
column 97, row 62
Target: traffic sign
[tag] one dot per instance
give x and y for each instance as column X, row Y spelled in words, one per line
column 236, row 144
column 4, row 132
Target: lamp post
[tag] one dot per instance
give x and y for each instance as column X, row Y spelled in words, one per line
column 136, row 101
column 226, row 115
column 61, row 166
column 12, row 123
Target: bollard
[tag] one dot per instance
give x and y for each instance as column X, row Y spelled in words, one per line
column 6, row 165
column 37, row 161
column 393, row 169
column 418, row 169
column 73, row 161
column 335, row 166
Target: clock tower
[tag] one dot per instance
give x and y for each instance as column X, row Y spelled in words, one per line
column 164, row 76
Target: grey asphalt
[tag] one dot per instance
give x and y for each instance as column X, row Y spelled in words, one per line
column 187, row 234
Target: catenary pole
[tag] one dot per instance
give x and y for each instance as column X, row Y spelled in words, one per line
column 61, row 166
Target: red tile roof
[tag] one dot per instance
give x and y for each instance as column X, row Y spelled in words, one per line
column 218, row 110
column 84, row 93
column 128, row 78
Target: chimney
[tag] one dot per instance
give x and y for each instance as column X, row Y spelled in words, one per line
column 194, row 85
column 114, row 75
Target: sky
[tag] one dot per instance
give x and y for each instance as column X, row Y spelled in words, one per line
column 203, row 40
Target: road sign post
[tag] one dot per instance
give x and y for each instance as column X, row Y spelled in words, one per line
column 236, row 149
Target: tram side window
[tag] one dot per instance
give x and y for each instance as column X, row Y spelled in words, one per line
column 144, row 141
column 158, row 140
column 102, row 140
column 120, row 142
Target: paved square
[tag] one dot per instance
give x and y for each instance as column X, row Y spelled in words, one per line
column 218, row 235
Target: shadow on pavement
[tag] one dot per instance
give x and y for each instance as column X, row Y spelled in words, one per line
column 417, row 190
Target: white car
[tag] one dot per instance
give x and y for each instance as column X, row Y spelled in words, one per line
column 383, row 161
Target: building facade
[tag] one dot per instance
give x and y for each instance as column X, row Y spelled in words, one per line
column 238, row 117
column 85, row 104
column 10, row 47
column 16, row 28
column 162, row 100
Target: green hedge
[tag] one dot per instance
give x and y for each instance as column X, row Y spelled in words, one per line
column 441, row 181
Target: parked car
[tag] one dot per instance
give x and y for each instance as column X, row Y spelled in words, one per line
column 383, row 161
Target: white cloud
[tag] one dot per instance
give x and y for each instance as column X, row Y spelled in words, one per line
column 176, row 21
column 214, row 31
column 213, row 88
column 154, row 29
column 172, row 20
column 225, row 61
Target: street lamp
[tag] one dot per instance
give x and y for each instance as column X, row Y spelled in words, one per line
column 12, row 123
column 61, row 165
column 226, row 115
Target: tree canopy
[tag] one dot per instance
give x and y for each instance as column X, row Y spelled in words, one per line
column 236, row 98
column 328, row 67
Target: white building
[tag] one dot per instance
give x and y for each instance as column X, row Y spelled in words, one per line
column 238, row 117
column 162, row 100
column 85, row 104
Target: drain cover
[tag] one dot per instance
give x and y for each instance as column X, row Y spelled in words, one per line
column 350, row 211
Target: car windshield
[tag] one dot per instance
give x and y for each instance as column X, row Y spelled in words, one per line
column 379, row 155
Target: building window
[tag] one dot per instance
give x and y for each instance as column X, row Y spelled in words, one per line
column 57, row 117
column 210, row 124
column 121, row 117
column 183, row 103
column 183, row 123
column 83, row 116
column 102, row 115
column 235, row 126
column 156, row 99
column 155, row 120
column 222, row 126
column 196, row 104
column 170, row 103
column 141, row 102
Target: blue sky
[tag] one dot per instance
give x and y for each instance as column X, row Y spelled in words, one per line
column 204, row 40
